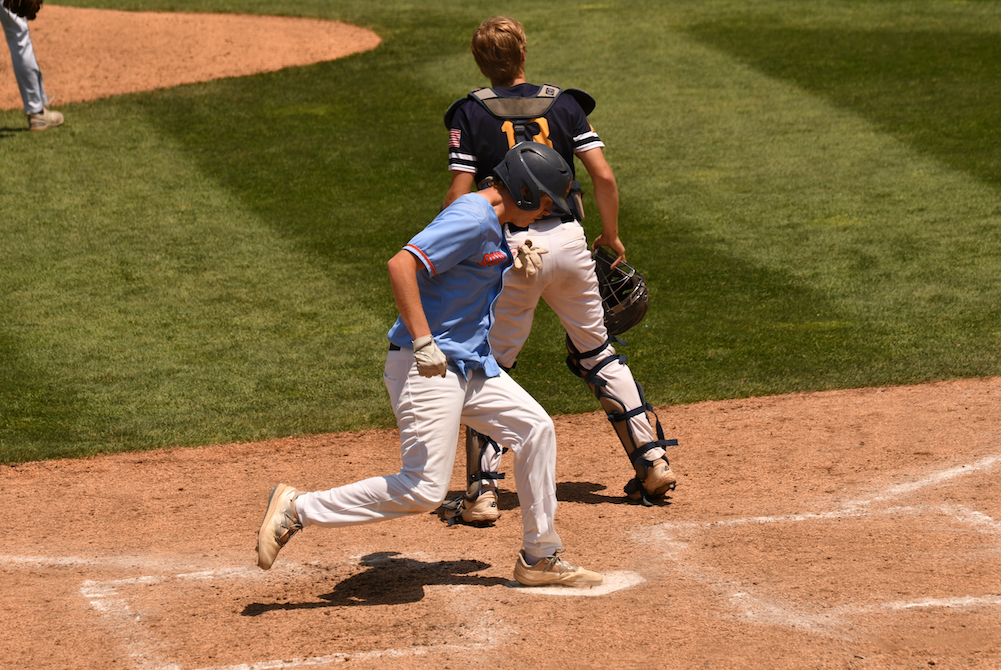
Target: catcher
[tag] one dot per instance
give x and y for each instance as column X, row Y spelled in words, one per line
column 14, row 16
column 482, row 127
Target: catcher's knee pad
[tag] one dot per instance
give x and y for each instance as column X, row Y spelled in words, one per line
column 653, row 478
column 473, row 506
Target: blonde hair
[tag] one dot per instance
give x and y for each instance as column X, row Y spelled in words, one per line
column 497, row 46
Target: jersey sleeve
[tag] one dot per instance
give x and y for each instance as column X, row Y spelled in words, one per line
column 587, row 140
column 452, row 237
column 583, row 135
column 461, row 154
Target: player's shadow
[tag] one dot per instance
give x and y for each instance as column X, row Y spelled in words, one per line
column 579, row 492
column 389, row 581
column 11, row 132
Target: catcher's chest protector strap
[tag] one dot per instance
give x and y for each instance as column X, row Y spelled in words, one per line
column 519, row 111
column 509, row 109
column 517, row 108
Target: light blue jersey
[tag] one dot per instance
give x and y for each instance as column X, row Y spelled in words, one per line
column 465, row 254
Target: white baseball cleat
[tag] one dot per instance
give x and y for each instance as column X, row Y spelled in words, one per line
column 479, row 512
column 279, row 525
column 44, row 120
column 553, row 571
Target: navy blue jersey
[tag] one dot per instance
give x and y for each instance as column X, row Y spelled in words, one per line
column 479, row 140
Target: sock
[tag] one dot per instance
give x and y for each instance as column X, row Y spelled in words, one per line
column 532, row 560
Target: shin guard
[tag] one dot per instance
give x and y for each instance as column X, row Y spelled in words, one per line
column 481, row 455
column 653, row 478
column 481, row 452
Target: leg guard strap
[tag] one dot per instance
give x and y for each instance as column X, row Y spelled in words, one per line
column 591, row 377
column 477, row 476
column 636, row 455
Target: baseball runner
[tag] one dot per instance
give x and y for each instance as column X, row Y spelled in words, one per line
column 440, row 372
column 482, row 127
column 14, row 15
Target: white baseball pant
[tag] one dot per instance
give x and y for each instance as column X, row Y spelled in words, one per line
column 569, row 285
column 22, row 56
column 428, row 413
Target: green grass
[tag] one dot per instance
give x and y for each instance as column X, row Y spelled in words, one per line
column 811, row 189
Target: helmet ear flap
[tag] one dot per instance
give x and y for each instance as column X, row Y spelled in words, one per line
column 624, row 294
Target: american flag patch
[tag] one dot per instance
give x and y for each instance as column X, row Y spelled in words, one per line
column 453, row 138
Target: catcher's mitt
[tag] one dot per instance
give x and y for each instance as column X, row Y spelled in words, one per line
column 624, row 294
column 26, row 9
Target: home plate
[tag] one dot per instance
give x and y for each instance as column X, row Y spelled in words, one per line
column 612, row 582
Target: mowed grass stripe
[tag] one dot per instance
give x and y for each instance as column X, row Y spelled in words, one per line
column 790, row 243
column 792, row 239
column 171, row 315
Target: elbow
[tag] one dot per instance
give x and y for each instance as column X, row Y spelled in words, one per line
column 402, row 264
column 393, row 266
column 606, row 179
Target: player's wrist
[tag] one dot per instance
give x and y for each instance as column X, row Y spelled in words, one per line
column 421, row 342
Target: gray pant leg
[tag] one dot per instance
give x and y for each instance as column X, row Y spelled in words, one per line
column 22, row 56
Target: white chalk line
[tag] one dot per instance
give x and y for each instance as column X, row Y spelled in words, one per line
column 141, row 563
column 984, row 463
column 852, row 508
column 967, row 602
column 770, row 611
column 486, row 631
column 104, row 596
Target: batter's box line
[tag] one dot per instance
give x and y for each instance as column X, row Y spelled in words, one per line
column 861, row 507
column 487, row 633
column 104, row 597
column 762, row 609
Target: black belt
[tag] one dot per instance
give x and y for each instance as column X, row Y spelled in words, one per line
column 394, row 347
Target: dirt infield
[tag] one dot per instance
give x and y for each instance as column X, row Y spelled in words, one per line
column 849, row 529
column 86, row 54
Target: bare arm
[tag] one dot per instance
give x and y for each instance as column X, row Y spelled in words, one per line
column 606, row 195
column 403, row 269
column 462, row 183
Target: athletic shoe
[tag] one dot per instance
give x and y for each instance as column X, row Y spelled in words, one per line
column 480, row 512
column 553, row 571
column 279, row 525
column 657, row 481
column 44, row 120
column 659, row 478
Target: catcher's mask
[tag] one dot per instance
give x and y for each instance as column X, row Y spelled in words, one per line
column 624, row 294
column 530, row 169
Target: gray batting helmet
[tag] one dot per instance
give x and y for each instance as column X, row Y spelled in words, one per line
column 530, row 169
column 624, row 294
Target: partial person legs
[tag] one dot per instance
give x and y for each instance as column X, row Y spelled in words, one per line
column 428, row 413
column 568, row 284
column 27, row 73
column 592, row 358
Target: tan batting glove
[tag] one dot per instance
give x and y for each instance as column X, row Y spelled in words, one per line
column 529, row 258
column 431, row 362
